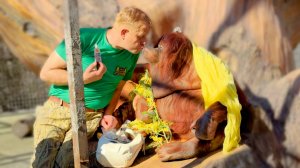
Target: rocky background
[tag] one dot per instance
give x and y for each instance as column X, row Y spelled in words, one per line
column 257, row 38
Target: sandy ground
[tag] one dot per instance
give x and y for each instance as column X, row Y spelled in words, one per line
column 14, row 152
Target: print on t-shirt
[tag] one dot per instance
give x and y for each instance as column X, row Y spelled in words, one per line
column 120, row 71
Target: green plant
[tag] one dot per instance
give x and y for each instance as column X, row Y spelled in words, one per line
column 157, row 129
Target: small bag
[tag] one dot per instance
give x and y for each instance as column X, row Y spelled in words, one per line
column 119, row 149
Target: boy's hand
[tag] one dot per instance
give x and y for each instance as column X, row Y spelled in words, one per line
column 108, row 122
column 91, row 74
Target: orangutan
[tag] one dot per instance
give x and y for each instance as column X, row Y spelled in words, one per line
column 178, row 96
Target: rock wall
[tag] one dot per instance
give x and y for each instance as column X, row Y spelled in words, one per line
column 255, row 37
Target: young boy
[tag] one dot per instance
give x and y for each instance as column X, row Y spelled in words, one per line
column 120, row 47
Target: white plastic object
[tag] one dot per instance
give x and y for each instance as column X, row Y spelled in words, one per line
column 119, row 149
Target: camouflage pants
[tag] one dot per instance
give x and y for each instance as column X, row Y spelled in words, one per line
column 53, row 135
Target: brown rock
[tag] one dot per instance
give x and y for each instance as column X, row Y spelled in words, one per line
column 274, row 138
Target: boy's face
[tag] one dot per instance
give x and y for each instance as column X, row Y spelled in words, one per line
column 135, row 39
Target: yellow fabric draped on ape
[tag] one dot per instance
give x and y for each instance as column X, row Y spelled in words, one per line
column 217, row 85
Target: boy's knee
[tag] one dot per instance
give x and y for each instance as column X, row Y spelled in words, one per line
column 45, row 153
column 65, row 156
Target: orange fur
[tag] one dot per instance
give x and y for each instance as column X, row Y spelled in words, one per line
column 177, row 89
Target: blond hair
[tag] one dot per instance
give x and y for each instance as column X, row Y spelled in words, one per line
column 134, row 16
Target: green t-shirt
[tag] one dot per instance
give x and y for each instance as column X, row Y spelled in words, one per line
column 120, row 65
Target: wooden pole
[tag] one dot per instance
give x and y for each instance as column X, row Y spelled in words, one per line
column 75, row 81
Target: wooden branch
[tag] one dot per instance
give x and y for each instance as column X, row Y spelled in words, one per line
column 75, row 81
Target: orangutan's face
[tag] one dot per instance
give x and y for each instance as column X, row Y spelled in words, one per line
column 168, row 60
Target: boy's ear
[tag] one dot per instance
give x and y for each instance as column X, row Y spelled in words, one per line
column 123, row 32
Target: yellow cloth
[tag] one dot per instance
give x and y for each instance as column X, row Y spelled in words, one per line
column 217, row 85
